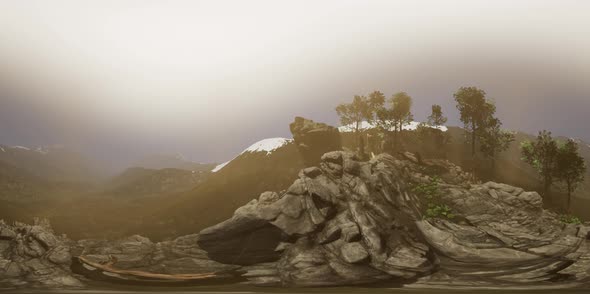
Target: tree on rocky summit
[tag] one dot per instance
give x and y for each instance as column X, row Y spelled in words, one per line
column 570, row 168
column 437, row 118
column 542, row 155
column 380, row 133
column 353, row 114
column 402, row 106
column 494, row 140
column 390, row 115
column 475, row 112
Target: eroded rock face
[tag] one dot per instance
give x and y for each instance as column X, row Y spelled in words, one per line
column 33, row 256
column 179, row 256
column 343, row 222
column 349, row 222
column 313, row 139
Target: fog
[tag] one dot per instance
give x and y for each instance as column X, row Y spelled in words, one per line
column 118, row 79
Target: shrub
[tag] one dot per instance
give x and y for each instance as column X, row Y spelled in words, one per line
column 570, row 219
column 432, row 193
column 439, row 211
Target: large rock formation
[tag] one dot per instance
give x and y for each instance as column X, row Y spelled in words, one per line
column 351, row 222
column 344, row 222
column 313, row 139
column 33, row 256
column 176, row 257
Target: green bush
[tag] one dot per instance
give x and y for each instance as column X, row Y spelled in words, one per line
column 439, row 211
column 429, row 190
column 432, row 193
column 570, row 219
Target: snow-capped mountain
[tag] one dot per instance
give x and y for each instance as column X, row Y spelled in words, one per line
column 266, row 145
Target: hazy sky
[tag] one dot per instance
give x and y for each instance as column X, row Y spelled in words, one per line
column 118, row 79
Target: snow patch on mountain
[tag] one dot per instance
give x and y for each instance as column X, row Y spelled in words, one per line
column 411, row 126
column 42, row 150
column 22, row 147
column 220, row 166
column 267, row 145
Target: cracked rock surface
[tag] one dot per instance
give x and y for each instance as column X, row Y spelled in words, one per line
column 343, row 222
column 351, row 222
column 33, row 256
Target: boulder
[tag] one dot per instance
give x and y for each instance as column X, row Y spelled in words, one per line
column 33, row 256
column 354, row 253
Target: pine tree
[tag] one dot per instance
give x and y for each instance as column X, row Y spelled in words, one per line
column 570, row 168
column 437, row 118
column 475, row 112
column 355, row 113
column 542, row 155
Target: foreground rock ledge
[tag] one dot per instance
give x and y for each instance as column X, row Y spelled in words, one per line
column 345, row 222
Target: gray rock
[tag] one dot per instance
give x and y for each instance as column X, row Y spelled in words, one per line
column 312, row 172
column 344, row 222
column 363, row 217
column 268, row 197
column 60, row 255
column 354, row 253
column 36, row 257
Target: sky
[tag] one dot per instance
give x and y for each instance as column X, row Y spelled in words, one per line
column 120, row 79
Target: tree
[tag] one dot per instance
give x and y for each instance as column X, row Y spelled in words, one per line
column 389, row 116
column 436, row 118
column 402, row 105
column 354, row 114
column 376, row 101
column 385, row 123
column 542, row 155
column 494, row 140
column 570, row 168
column 400, row 114
column 475, row 111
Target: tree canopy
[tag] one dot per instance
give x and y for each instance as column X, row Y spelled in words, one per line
column 570, row 168
column 355, row 113
column 542, row 155
column 475, row 112
column 436, row 117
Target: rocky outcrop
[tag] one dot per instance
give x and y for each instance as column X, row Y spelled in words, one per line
column 421, row 223
column 350, row 222
column 313, row 139
column 136, row 253
column 33, row 256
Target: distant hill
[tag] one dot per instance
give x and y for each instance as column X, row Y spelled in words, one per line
column 268, row 165
column 143, row 182
column 81, row 201
column 165, row 203
column 177, row 161
column 18, row 185
column 54, row 164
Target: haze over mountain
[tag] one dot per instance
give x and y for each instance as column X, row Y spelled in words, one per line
column 119, row 80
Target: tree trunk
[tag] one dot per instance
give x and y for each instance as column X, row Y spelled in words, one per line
column 359, row 139
column 546, row 188
column 473, row 140
column 569, row 197
column 493, row 171
column 362, row 145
